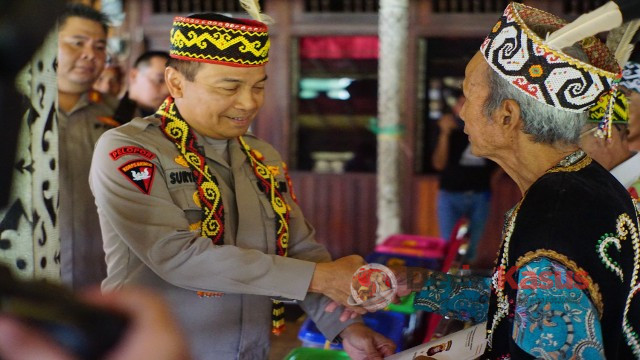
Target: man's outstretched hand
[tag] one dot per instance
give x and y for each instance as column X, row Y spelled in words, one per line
column 333, row 279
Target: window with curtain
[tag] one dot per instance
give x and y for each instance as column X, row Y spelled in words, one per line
column 336, row 102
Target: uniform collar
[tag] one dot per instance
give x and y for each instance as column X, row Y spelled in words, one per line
column 84, row 101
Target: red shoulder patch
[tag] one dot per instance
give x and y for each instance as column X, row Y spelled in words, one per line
column 140, row 173
column 131, row 150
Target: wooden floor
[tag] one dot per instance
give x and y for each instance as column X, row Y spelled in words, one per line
column 283, row 344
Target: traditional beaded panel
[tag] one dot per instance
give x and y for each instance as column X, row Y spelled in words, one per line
column 520, row 56
column 220, row 42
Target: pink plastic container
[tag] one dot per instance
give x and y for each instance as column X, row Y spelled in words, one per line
column 413, row 245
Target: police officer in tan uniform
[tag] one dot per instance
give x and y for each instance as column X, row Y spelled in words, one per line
column 196, row 208
column 83, row 115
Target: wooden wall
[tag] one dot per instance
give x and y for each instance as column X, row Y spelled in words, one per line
column 342, row 209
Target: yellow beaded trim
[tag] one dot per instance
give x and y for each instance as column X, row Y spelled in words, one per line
column 253, row 31
column 178, row 131
column 582, row 163
column 631, row 334
column 498, row 277
column 220, row 41
column 222, row 59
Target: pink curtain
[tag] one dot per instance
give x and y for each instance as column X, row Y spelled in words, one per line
column 339, row 47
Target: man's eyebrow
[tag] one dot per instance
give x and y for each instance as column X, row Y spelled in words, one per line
column 239, row 81
column 84, row 37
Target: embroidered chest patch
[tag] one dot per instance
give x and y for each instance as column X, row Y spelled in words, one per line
column 140, row 173
column 131, row 150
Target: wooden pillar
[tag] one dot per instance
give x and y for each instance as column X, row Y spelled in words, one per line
column 393, row 35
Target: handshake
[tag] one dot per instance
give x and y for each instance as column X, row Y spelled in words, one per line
column 362, row 287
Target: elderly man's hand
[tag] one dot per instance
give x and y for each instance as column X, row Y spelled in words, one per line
column 333, row 279
column 410, row 279
column 360, row 342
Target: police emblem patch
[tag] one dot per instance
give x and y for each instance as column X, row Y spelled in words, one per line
column 140, row 173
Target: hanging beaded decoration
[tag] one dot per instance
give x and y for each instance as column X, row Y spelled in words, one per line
column 212, row 226
column 281, row 209
column 499, row 276
column 627, row 227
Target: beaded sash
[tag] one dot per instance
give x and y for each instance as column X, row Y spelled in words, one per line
column 176, row 129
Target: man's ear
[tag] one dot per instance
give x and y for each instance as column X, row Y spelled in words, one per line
column 133, row 73
column 175, row 81
column 509, row 115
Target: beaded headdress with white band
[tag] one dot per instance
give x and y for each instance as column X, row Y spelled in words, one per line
column 524, row 59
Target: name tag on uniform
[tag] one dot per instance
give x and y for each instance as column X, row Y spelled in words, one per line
column 180, row 177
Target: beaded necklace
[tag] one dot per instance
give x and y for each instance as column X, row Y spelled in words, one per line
column 178, row 131
column 499, row 276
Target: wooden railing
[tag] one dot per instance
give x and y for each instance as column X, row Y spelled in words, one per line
column 187, row 6
column 340, row 6
column 342, row 209
column 569, row 7
column 468, row 6
column 577, row 7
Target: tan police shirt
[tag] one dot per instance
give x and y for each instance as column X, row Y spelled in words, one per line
column 150, row 219
column 82, row 257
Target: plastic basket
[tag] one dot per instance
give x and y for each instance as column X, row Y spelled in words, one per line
column 306, row 353
column 387, row 323
column 413, row 245
column 403, row 260
column 405, row 306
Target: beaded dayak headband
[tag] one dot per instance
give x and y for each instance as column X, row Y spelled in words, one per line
column 521, row 57
column 226, row 41
column 617, row 110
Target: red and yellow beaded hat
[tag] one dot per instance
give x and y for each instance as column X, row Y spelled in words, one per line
column 218, row 39
column 617, row 110
column 539, row 69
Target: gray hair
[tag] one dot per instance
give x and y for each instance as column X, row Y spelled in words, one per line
column 546, row 124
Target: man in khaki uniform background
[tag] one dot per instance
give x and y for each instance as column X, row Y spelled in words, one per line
column 83, row 115
column 196, row 208
column 146, row 87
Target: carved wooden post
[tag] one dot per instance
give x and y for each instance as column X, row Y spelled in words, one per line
column 393, row 35
column 29, row 238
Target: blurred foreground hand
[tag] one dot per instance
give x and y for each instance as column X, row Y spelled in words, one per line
column 152, row 332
